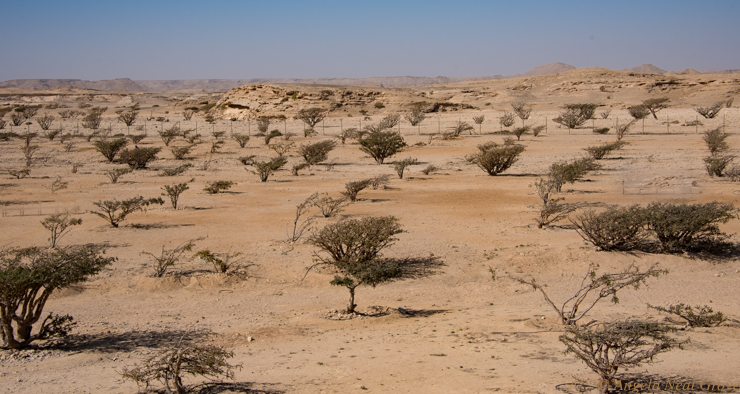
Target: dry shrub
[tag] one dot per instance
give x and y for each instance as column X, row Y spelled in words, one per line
column 698, row 316
column 354, row 187
column 616, row 228
column 494, row 158
column 600, row 151
column 606, row 348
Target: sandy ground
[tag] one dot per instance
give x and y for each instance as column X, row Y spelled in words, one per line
column 468, row 333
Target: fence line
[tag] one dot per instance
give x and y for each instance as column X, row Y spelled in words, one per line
column 43, row 211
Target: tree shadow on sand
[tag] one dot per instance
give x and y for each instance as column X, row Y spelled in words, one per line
column 129, row 341
column 237, row 387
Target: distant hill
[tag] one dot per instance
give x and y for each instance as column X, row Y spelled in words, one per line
column 119, row 84
column 647, row 69
column 547, row 69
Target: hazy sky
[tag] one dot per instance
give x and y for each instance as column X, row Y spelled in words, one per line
column 184, row 39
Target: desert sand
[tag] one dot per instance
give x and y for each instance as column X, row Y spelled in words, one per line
column 466, row 332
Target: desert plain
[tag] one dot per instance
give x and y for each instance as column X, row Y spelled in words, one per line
column 456, row 329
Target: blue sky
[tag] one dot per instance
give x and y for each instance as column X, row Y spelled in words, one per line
column 305, row 39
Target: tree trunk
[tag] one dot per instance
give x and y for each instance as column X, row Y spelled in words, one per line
column 351, row 306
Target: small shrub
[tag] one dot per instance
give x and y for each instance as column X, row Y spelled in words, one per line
column 168, row 366
column 698, row 316
column 353, row 248
column 170, row 134
column 712, row 111
column 594, row 288
column 222, row 262
column 536, row 130
column 327, row 205
column 272, row 134
column 638, row 112
column 266, row 168
column 241, row 139
column 136, row 138
column 607, row 348
column 174, row 171
column 552, row 210
column 174, row 191
column 263, row 123
column 28, row 277
column 715, row 140
column 460, row 127
column 601, row 130
column 507, row 119
column 51, row 134
column 574, row 115
column 570, row 172
column 354, row 187
column 600, row 151
column 139, row 158
column 382, row 144
column 520, row 131
column 19, row 173
column 379, row 105
column 301, row 224
column 716, row 165
column 380, row 180
column 216, row 187
column 298, row 167
column 683, row 226
column 494, row 158
column 417, row 115
column 311, row 116
column 605, row 114
column 169, row 257
column 58, row 225
column 400, row 166
column 616, row 228
column 317, row 152
column 429, row 169
column 179, row 152
column 522, row 109
column 115, row 211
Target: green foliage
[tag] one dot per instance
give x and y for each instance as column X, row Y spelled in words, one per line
column 174, row 191
column 353, row 248
column 595, row 287
column 169, row 135
column 266, row 168
column 58, row 225
column 272, row 134
column 179, row 152
column 222, row 262
column 139, row 158
column 574, row 115
column 683, row 226
column 169, row 257
column 655, row 104
column 606, row 348
column 460, row 127
column 136, row 138
column 715, row 140
column 317, row 152
column 93, row 118
column 382, row 144
column 311, row 116
column 109, row 149
column 570, row 172
column 522, row 109
column 216, row 187
column 616, row 228
column 128, row 116
column 400, row 166
column 241, row 139
column 169, row 366
column 28, row 276
column 520, row 131
column 600, row 151
column 429, row 169
column 354, row 187
column 639, row 111
column 175, row 171
column 698, row 316
column 716, row 165
column 494, row 158
column 115, row 211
